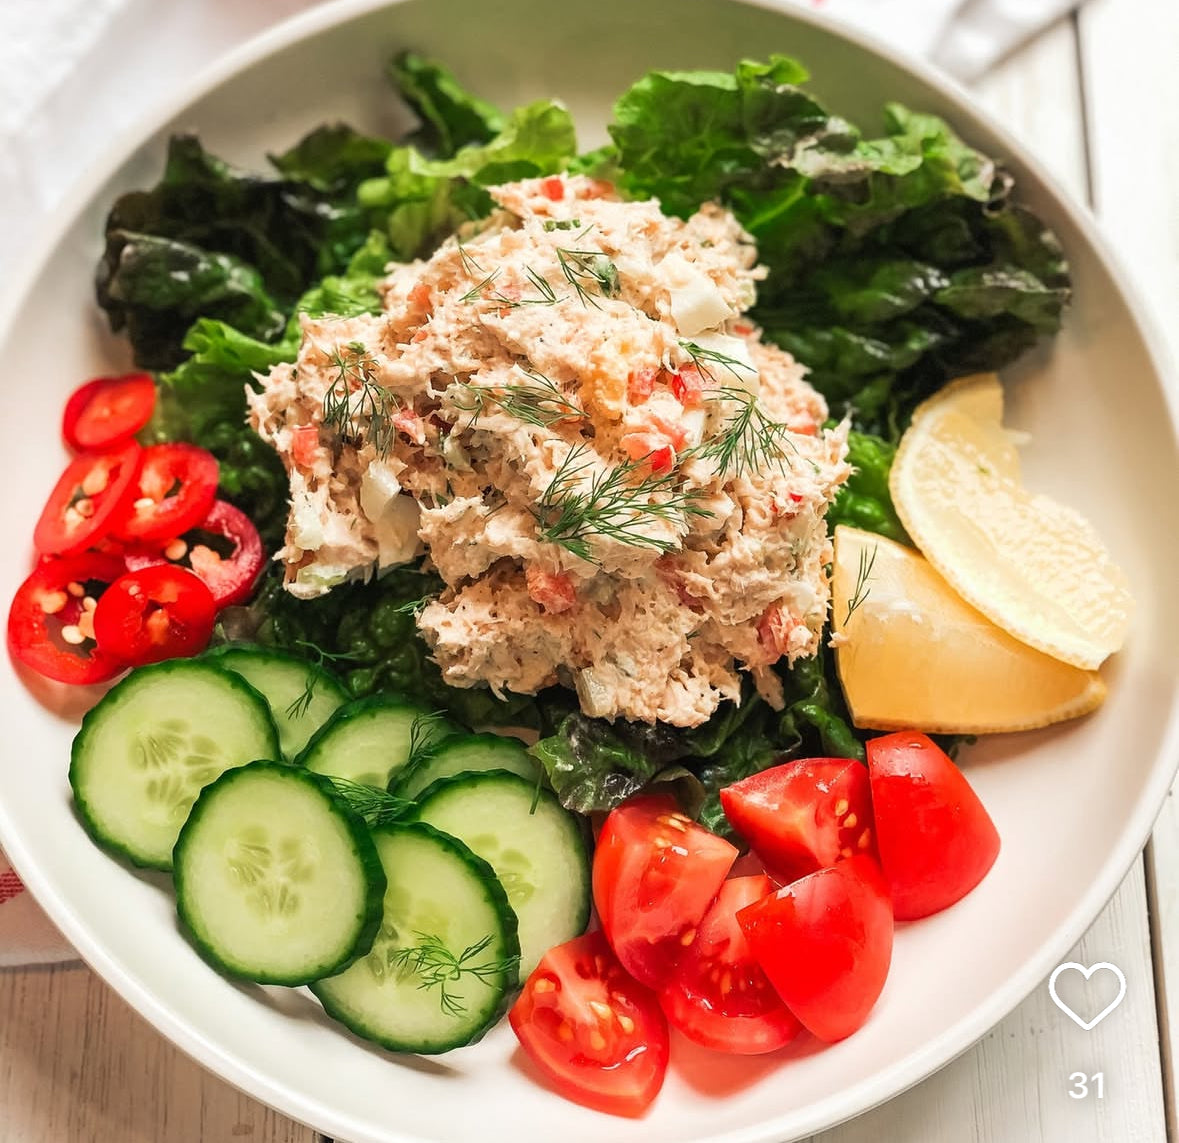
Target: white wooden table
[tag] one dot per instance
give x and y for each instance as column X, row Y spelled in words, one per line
column 1094, row 98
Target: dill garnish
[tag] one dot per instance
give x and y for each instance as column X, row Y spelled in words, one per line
column 702, row 358
column 548, row 296
column 302, row 703
column 470, row 264
column 376, row 806
column 438, row 967
column 356, row 406
column 617, row 502
column 538, row 401
column 862, row 590
column 588, row 268
column 750, row 440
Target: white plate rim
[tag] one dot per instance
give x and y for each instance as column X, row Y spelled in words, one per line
column 882, row 1085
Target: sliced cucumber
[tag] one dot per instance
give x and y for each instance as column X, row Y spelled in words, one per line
column 369, row 740
column 144, row 752
column 444, row 960
column 532, row 842
column 277, row 881
column 458, row 755
column 302, row 696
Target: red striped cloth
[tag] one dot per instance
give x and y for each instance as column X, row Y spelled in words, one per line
column 27, row 936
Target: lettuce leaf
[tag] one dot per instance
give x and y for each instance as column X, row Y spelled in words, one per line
column 451, row 116
column 895, row 262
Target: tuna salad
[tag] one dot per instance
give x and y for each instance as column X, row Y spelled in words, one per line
column 565, row 409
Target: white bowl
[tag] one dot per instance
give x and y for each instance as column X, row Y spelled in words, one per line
column 1073, row 806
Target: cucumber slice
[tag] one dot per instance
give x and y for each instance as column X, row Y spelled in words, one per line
column 443, row 963
column 533, row 843
column 277, row 881
column 369, row 740
column 462, row 754
column 144, row 752
column 302, row 696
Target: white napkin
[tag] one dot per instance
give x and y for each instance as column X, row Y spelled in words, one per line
column 74, row 73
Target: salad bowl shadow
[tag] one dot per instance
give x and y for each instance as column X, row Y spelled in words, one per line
column 1103, row 446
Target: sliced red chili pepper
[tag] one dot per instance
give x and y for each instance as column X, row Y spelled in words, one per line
column 107, row 411
column 50, row 622
column 176, row 488
column 155, row 613
column 224, row 550
column 93, row 492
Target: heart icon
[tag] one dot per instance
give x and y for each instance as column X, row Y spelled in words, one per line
column 1087, row 973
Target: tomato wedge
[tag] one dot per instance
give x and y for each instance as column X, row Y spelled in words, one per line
column 803, row 815
column 108, row 411
column 93, row 492
column 655, row 874
column 225, row 550
column 596, row 1034
column 936, row 839
column 50, row 622
column 718, row 995
column 155, row 613
column 176, row 488
column 825, row 942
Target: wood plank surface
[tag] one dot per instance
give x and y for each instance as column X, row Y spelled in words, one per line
column 1128, row 56
column 77, row 1065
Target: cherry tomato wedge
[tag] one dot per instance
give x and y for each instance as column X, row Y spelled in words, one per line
column 825, row 942
column 803, row 815
column 224, row 550
column 175, row 490
column 50, row 622
column 718, row 995
column 108, row 411
column 655, row 874
column 94, row 491
column 155, row 613
column 936, row 839
column 597, row 1035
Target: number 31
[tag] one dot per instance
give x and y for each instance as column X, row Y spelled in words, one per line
column 1080, row 1084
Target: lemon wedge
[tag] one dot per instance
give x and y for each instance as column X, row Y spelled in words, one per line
column 912, row 655
column 1031, row 565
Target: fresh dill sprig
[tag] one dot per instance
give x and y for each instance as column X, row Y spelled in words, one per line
column 302, row 703
column 547, row 296
column 376, row 806
column 355, row 405
column 702, row 358
column 750, row 441
column 414, row 606
column 477, row 291
column 589, row 268
column 617, row 502
column 862, row 590
column 537, row 401
column 423, row 734
column 438, row 967
column 470, row 263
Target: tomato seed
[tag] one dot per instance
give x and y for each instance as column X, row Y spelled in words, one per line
column 175, row 550
column 626, row 1023
column 726, row 984
column 84, row 507
column 89, row 603
column 544, row 985
column 142, row 503
column 53, row 601
column 846, row 851
column 597, row 1041
column 851, row 821
column 865, row 838
column 600, row 1010
column 841, row 807
column 565, row 1031
column 86, row 624
column 75, row 589
column 674, row 821
column 689, row 935
column 73, row 635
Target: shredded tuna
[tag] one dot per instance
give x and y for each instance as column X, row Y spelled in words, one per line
column 547, row 409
